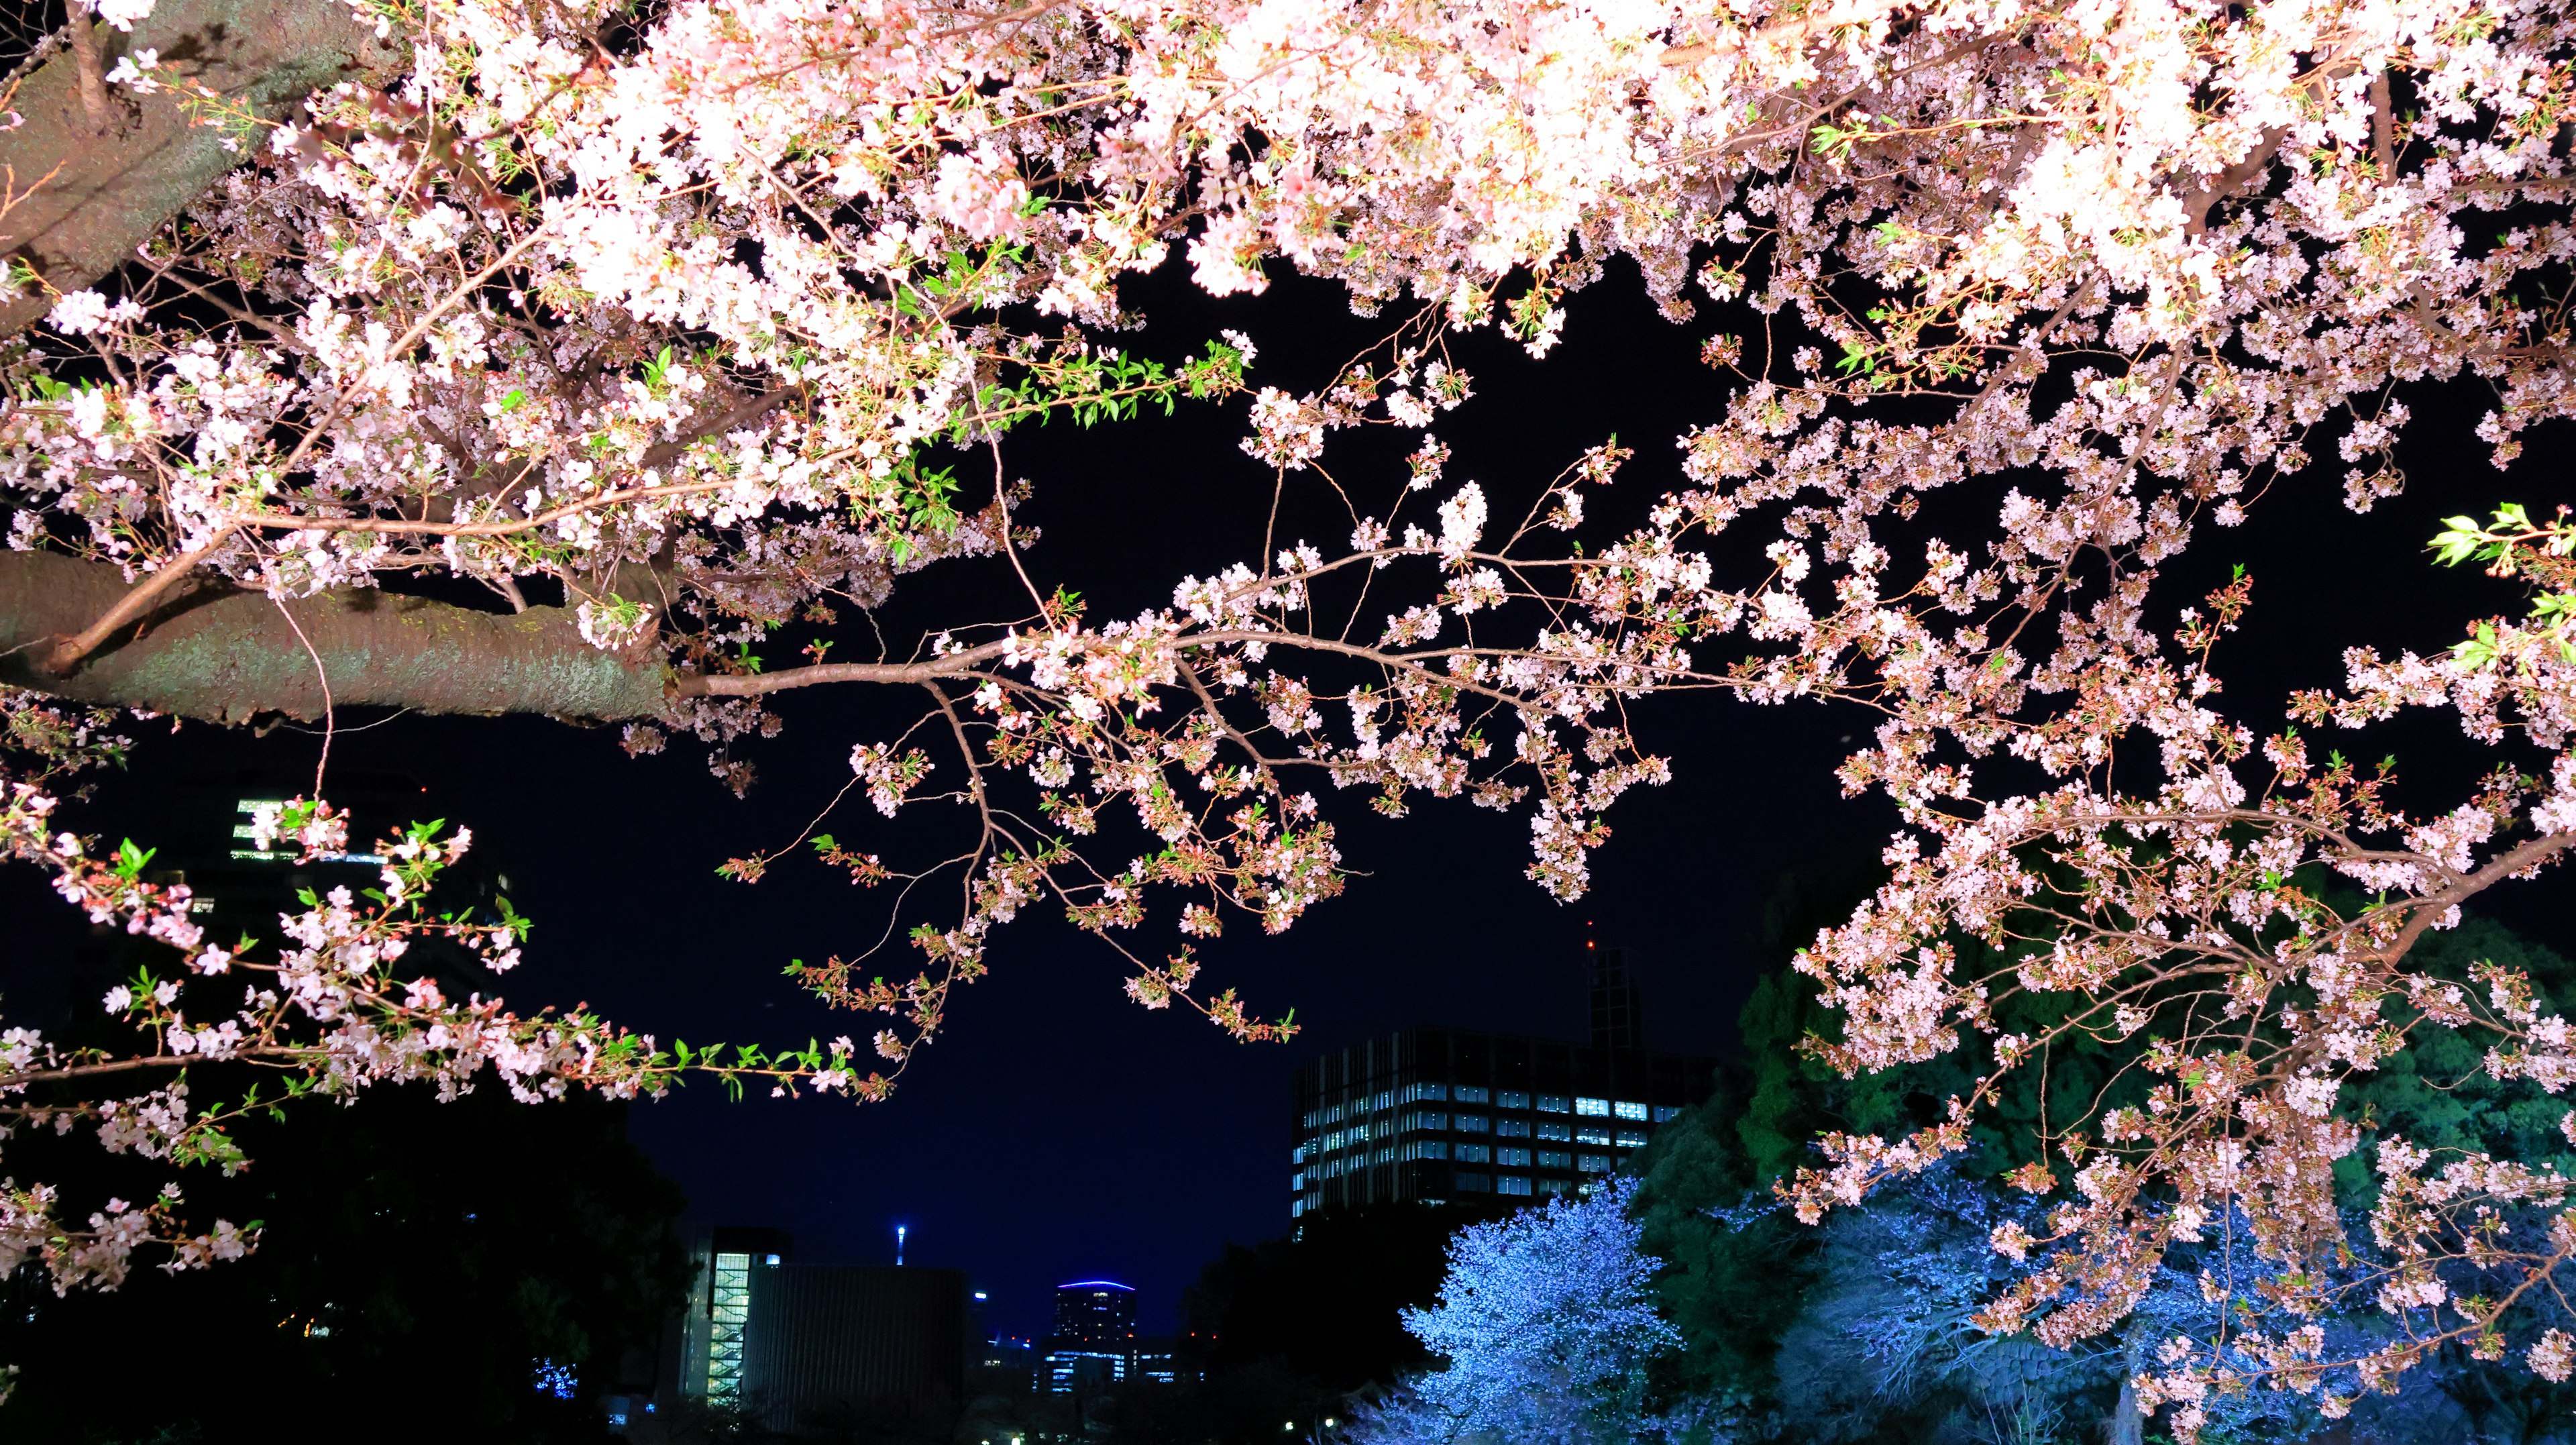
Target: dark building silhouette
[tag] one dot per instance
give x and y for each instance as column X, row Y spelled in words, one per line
column 866, row 1339
column 795, row 1342
column 1447, row 1116
column 1618, row 1016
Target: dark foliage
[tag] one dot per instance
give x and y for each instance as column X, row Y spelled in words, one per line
column 420, row 1260
column 1326, row 1302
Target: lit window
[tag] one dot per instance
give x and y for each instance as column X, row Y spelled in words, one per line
column 1555, row 1159
column 1667, row 1111
column 1474, row 1154
column 1627, row 1110
column 729, row 1309
column 1592, row 1108
column 1511, row 1184
column 1512, row 1128
column 1594, row 1164
column 1470, row 1182
column 1551, row 1103
column 1512, row 1157
column 1434, row 1092
column 1473, row 1094
column 1631, row 1138
column 1297, row 1181
column 1386, row 1100
column 1473, row 1123
column 1427, row 1119
column 1512, row 1099
column 1427, row 1149
column 1296, row 1208
column 1298, row 1154
column 1386, row 1155
column 1591, row 1134
column 1547, row 1130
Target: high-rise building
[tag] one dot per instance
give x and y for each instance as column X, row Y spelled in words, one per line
column 1094, row 1341
column 1447, row 1116
column 784, row 1340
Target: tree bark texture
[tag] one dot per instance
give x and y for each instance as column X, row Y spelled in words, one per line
column 110, row 192
column 227, row 655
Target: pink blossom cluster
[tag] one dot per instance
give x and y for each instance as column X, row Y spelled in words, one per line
column 672, row 316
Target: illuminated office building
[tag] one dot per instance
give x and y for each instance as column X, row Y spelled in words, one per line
column 1094, row 1341
column 1447, row 1116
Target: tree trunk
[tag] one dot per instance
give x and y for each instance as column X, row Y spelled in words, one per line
column 2126, row 1426
column 89, row 199
column 226, row 655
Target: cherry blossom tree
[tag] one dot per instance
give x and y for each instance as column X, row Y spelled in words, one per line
column 670, row 327
column 1544, row 1327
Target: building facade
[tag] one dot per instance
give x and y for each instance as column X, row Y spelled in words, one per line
column 1094, row 1341
column 1448, row 1116
column 786, row 1340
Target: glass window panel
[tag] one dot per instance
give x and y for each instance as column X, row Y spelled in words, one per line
column 1551, row 1103
column 1512, row 1099
column 1474, row 1123
column 1472, row 1094
column 1512, row 1184
column 1593, row 1108
column 1626, row 1110
column 1474, row 1154
column 1520, row 1157
column 1547, row 1130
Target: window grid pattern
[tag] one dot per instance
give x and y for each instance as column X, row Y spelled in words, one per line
column 1376, row 1127
column 729, row 1311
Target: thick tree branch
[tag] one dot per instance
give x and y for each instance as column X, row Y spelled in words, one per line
column 110, row 192
column 138, row 603
column 229, row 655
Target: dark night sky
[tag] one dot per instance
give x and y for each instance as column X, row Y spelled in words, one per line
column 1056, row 1131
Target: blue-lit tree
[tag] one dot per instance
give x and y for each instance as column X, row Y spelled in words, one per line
column 1546, row 1326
